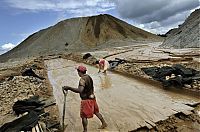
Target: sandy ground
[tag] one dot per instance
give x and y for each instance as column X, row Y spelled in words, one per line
column 126, row 103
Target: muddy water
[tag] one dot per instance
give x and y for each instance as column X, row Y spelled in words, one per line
column 125, row 103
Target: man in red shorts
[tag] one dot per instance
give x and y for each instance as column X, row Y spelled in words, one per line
column 88, row 102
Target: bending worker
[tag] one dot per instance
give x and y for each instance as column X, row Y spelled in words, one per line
column 88, row 100
column 103, row 65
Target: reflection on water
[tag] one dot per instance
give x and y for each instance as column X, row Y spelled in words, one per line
column 105, row 81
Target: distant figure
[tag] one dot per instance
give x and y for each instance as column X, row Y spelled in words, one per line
column 103, row 65
column 88, row 100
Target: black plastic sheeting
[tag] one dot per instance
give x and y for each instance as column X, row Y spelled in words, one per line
column 86, row 56
column 30, row 72
column 182, row 75
column 33, row 106
column 25, row 123
column 116, row 62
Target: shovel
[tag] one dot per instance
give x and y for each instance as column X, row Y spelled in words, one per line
column 63, row 117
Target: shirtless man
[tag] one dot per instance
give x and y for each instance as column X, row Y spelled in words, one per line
column 88, row 100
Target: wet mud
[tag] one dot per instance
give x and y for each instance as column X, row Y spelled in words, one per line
column 125, row 103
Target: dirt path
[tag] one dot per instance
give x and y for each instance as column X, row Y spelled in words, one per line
column 126, row 104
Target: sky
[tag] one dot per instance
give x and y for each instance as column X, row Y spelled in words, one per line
column 21, row 18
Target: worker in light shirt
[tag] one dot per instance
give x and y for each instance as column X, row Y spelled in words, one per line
column 103, row 65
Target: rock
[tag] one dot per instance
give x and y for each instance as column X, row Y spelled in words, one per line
column 195, row 87
column 187, row 86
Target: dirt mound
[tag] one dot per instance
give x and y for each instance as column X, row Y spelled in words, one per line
column 187, row 35
column 78, row 34
column 102, row 28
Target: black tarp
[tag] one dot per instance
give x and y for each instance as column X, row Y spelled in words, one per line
column 24, row 123
column 182, row 75
column 116, row 62
column 31, row 104
column 86, row 56
column 30, row 72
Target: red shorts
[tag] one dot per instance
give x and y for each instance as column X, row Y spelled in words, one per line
column 88, row 108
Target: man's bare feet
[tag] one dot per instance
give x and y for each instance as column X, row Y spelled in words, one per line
column 103, row 126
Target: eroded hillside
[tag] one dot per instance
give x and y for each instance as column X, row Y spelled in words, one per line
column 187, row 35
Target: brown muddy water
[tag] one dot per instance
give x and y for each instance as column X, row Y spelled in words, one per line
column 125, row 103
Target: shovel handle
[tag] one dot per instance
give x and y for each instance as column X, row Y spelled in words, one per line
column 64, row 92
column 64, row 105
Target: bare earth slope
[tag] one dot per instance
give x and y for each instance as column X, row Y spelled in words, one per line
column 187, row 35
column 78, row 34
